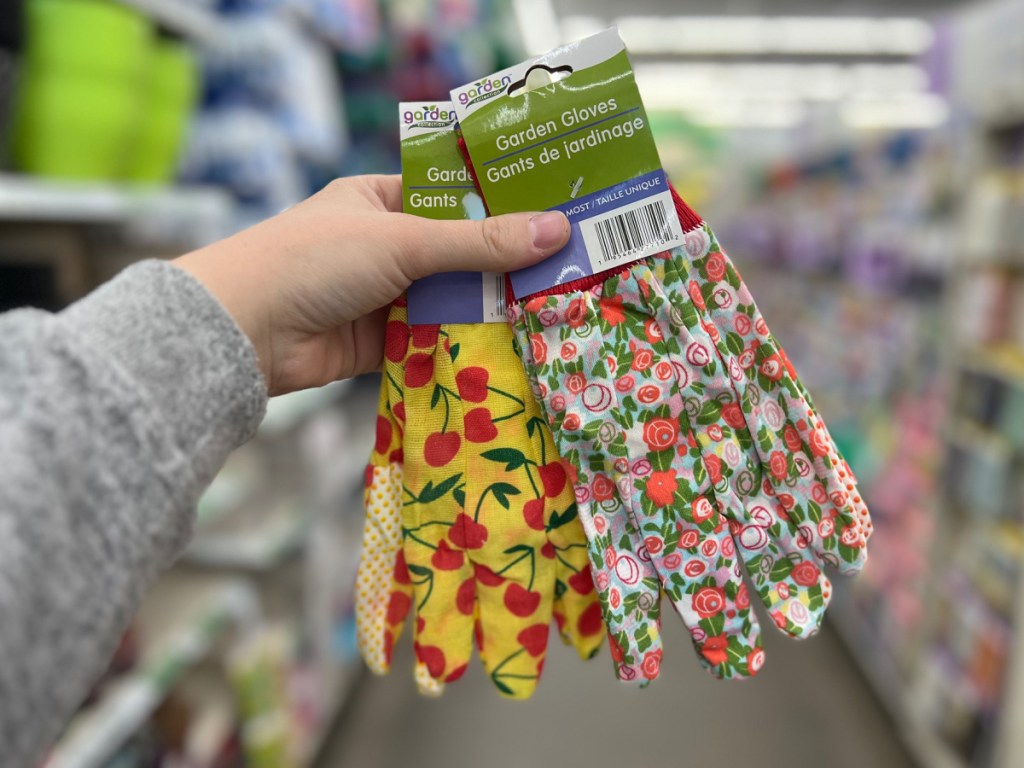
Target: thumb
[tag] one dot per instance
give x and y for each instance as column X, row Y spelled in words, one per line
column 496, row 244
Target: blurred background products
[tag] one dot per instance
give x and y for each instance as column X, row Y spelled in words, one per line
column 81, row 95
column 169, row 90
column 12, row 42
column 863, row 163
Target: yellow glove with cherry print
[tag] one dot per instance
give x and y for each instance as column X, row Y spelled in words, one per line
column 492, row 543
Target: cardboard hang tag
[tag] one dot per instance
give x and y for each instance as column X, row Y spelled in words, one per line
column 568, row 131
column 437, row 185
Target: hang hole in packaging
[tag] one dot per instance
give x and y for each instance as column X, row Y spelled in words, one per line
column 537, row 77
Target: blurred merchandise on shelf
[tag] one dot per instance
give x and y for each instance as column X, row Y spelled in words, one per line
column 300, row 91
column 80, row 95
column 271, row 127
column 891, row 265
column 259, row 675
column 103, row 95
column 244, row 150
column 428, row 47
column 169, row 90
column 12, row 42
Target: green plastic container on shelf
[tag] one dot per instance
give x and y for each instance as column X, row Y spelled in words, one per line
column 101, row 36
column 82, row 95
column 170, row 92
column 73, row 127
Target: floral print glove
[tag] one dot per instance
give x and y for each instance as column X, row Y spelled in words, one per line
column 784, row 528
column 813, row 482
column 492, row 540
column 612, row 393
column 787, row 515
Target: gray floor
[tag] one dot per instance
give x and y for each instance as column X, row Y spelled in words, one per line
column 807, row 708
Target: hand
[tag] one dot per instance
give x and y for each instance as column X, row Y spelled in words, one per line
column 311, row 286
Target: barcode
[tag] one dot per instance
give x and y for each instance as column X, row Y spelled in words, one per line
column 500, row 306
column 494, row 305
column 633, row 231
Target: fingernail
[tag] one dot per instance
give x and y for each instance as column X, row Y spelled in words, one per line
column 548, row 230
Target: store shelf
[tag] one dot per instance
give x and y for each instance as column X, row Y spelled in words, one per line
column 180, row 622
column 181, row 17
column 1003, row 361
column 288, row 411
column 28, row 198
column 926, row 747
column 254, row 540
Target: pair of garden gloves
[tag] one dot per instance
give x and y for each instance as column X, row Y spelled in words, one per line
column 691, row 446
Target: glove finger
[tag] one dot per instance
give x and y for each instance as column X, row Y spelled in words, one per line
column 733, row 312
column 433, row 501
column 836, row 459
column 633, row 627
column 672, row 498
column 577, row 610
column 779, row 560
column 802, row 466
column 512, row 559
column 381, row 603
column 383, row 588
column 383, row 596
column 767, row 400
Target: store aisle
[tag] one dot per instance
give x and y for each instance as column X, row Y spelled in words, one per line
column 809, row 708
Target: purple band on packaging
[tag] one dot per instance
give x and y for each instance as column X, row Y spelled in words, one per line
column 452, row 297
column 585, row 216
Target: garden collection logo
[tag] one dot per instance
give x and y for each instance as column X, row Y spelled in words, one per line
column 432, row 116
column 485, row 89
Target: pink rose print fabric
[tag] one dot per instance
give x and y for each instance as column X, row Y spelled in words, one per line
column 776, row 406
column 626, row 579
column 612, row 394
column 696, row 447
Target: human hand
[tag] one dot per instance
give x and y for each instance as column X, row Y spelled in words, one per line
column 311, row 286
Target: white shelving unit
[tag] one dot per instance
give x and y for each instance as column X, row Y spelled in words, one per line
column 180, row 16
column 186, row 617
column 259, row 541
column 32, row 199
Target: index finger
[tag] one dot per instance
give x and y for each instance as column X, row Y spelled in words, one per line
column 388, row 189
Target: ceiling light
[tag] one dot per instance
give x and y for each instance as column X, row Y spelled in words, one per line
column 795, row 35
column 917, row 111
column 807, row 82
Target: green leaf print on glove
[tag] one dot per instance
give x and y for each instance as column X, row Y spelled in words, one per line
column 803, row 466
column 613, row 401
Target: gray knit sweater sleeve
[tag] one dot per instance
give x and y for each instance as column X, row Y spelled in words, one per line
column 114, row 416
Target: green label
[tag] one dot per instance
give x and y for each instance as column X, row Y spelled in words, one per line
column 568, row 131
column 437, row 185
column 585, row 133
column 435, row 181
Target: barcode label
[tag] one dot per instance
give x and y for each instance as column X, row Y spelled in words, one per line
column 642, row 229
column 494, row 297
